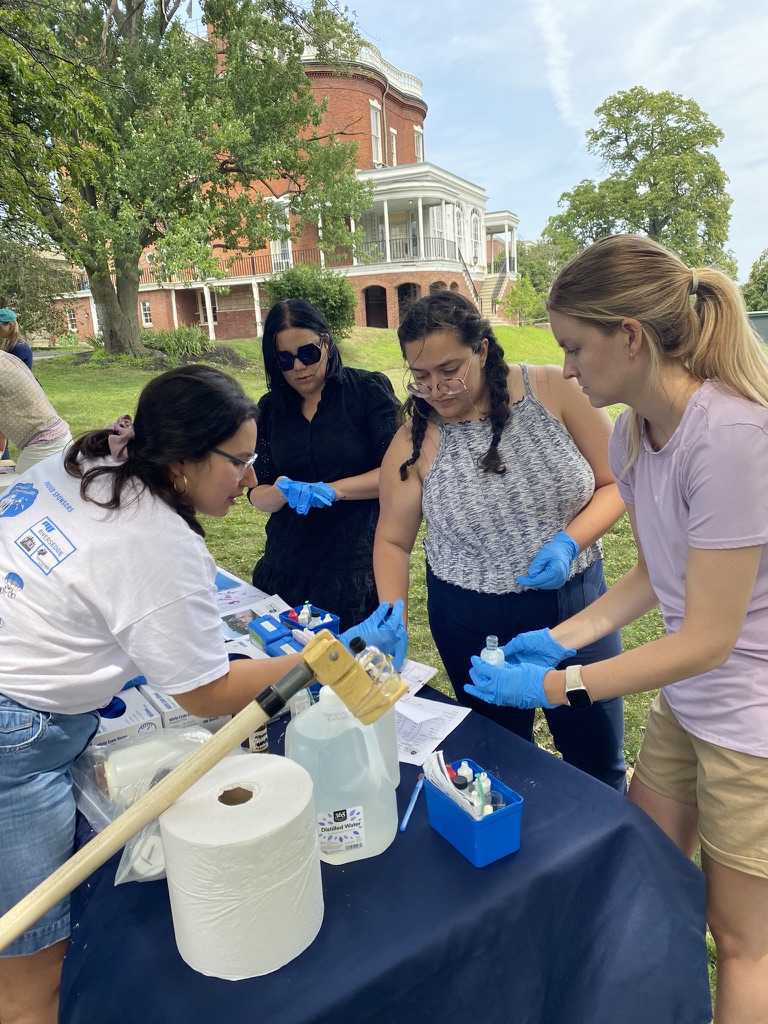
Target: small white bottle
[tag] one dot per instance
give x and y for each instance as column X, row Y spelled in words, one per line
column 305, row 615
column 300, row 702
column 492, row 653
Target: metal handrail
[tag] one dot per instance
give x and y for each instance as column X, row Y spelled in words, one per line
column 475, row 293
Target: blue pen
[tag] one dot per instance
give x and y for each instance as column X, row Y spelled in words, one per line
column 412, row 803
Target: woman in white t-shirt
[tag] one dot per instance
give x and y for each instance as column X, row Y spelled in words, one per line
column 691, row 457
column 104, row 575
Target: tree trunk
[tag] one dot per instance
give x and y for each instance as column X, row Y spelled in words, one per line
column 118, row 308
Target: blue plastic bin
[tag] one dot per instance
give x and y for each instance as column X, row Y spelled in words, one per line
column 332, row 626
column 480, row 840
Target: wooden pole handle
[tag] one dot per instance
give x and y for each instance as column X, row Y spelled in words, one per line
column 324, row 658
column 160, row 797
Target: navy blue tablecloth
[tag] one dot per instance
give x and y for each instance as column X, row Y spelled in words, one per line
column 597, row 919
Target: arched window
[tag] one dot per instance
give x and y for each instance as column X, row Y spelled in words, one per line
column 475, row 228
column 460, row 239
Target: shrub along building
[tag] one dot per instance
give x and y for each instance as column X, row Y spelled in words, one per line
column 427, row 229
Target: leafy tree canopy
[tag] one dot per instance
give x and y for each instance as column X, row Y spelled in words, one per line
column 756, row 288
column 663, row 180
column 332, row 293
column 540, row 262
column 207, row 142
column 51, row 114
column 29, row 283
column 523, row 302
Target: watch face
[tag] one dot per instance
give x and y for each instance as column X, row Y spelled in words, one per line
column 578, row 698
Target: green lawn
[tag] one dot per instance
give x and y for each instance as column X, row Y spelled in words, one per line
column 93, row 393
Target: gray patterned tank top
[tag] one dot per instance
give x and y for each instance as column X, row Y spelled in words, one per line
column 484, row 529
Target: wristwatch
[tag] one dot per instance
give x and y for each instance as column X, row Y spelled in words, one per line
column 576, row 692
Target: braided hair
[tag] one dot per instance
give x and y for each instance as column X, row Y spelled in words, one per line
column 180, row 416
column 451, row 311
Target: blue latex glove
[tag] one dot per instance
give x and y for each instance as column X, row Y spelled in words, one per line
column 303, row 496
column 519, row 686
column 549, row 569
column 383, row 629
column 536, row 648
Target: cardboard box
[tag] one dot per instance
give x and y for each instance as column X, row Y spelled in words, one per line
column 127, row 714
column 173, row 715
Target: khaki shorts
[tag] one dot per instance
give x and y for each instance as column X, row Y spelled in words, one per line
column 730, row 789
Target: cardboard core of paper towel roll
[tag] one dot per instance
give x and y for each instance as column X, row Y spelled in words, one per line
column 243, row 867
column 233, row 797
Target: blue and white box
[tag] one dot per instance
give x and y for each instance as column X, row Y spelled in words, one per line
column 265, row 630
column 129, row 713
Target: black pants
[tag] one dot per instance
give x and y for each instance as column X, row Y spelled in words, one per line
column 589, row 738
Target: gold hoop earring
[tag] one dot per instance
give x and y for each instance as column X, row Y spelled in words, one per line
column 175, row 481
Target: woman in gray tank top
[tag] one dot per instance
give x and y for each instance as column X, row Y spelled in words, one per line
column 511, row 476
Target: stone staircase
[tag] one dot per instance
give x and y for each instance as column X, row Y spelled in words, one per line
column 486, row 292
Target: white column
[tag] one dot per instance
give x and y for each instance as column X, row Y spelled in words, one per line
column 421, row 229
column 174, row 310
column 445, row 230
column 352, row 231
column 506, row 245
column 320, row 238
column 257, row 306
column 386, row 231
column 209, row 312
column 94, row 316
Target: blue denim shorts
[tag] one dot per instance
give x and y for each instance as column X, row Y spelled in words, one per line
column 37, row 809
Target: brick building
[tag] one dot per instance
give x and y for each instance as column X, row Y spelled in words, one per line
column 428, row 229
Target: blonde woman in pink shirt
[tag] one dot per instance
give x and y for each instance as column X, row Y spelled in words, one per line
column 690, row 454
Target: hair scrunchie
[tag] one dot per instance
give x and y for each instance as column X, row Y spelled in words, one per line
column 122, row 433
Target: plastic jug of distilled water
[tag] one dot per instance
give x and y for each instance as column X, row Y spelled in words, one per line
column 379, row 668
column 355, row 806
column 492, row 653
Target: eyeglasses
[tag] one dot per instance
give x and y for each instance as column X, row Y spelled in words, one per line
column 448, row 386
column 306, row 354
column 241, row 465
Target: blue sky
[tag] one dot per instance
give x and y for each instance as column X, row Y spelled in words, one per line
column 512, row 86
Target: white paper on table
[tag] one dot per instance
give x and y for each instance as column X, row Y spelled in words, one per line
column 233, row 593
column 234, row 621
column 422, row 725
column 243, row 645
column 271, row 605
column 415, row 675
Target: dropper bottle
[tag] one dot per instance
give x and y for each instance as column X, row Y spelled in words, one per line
column 492, row 653
column 305, row 615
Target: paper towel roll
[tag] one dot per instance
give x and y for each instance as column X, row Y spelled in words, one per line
column 243, row 867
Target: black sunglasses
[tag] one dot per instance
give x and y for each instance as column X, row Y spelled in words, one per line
column 307, row 354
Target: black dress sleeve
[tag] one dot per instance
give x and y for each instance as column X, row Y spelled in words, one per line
column 264, row 467
column 382, row 407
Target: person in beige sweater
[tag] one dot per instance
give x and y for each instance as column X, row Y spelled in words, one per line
column 27, row 418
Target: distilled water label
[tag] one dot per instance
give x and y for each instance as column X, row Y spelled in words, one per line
column 341, row 831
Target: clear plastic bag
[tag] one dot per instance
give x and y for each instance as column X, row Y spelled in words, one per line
column 107, row 780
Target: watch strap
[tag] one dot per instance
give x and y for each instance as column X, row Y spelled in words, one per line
column 576, row 692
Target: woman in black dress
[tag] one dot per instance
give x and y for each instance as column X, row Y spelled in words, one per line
column 323, row 431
